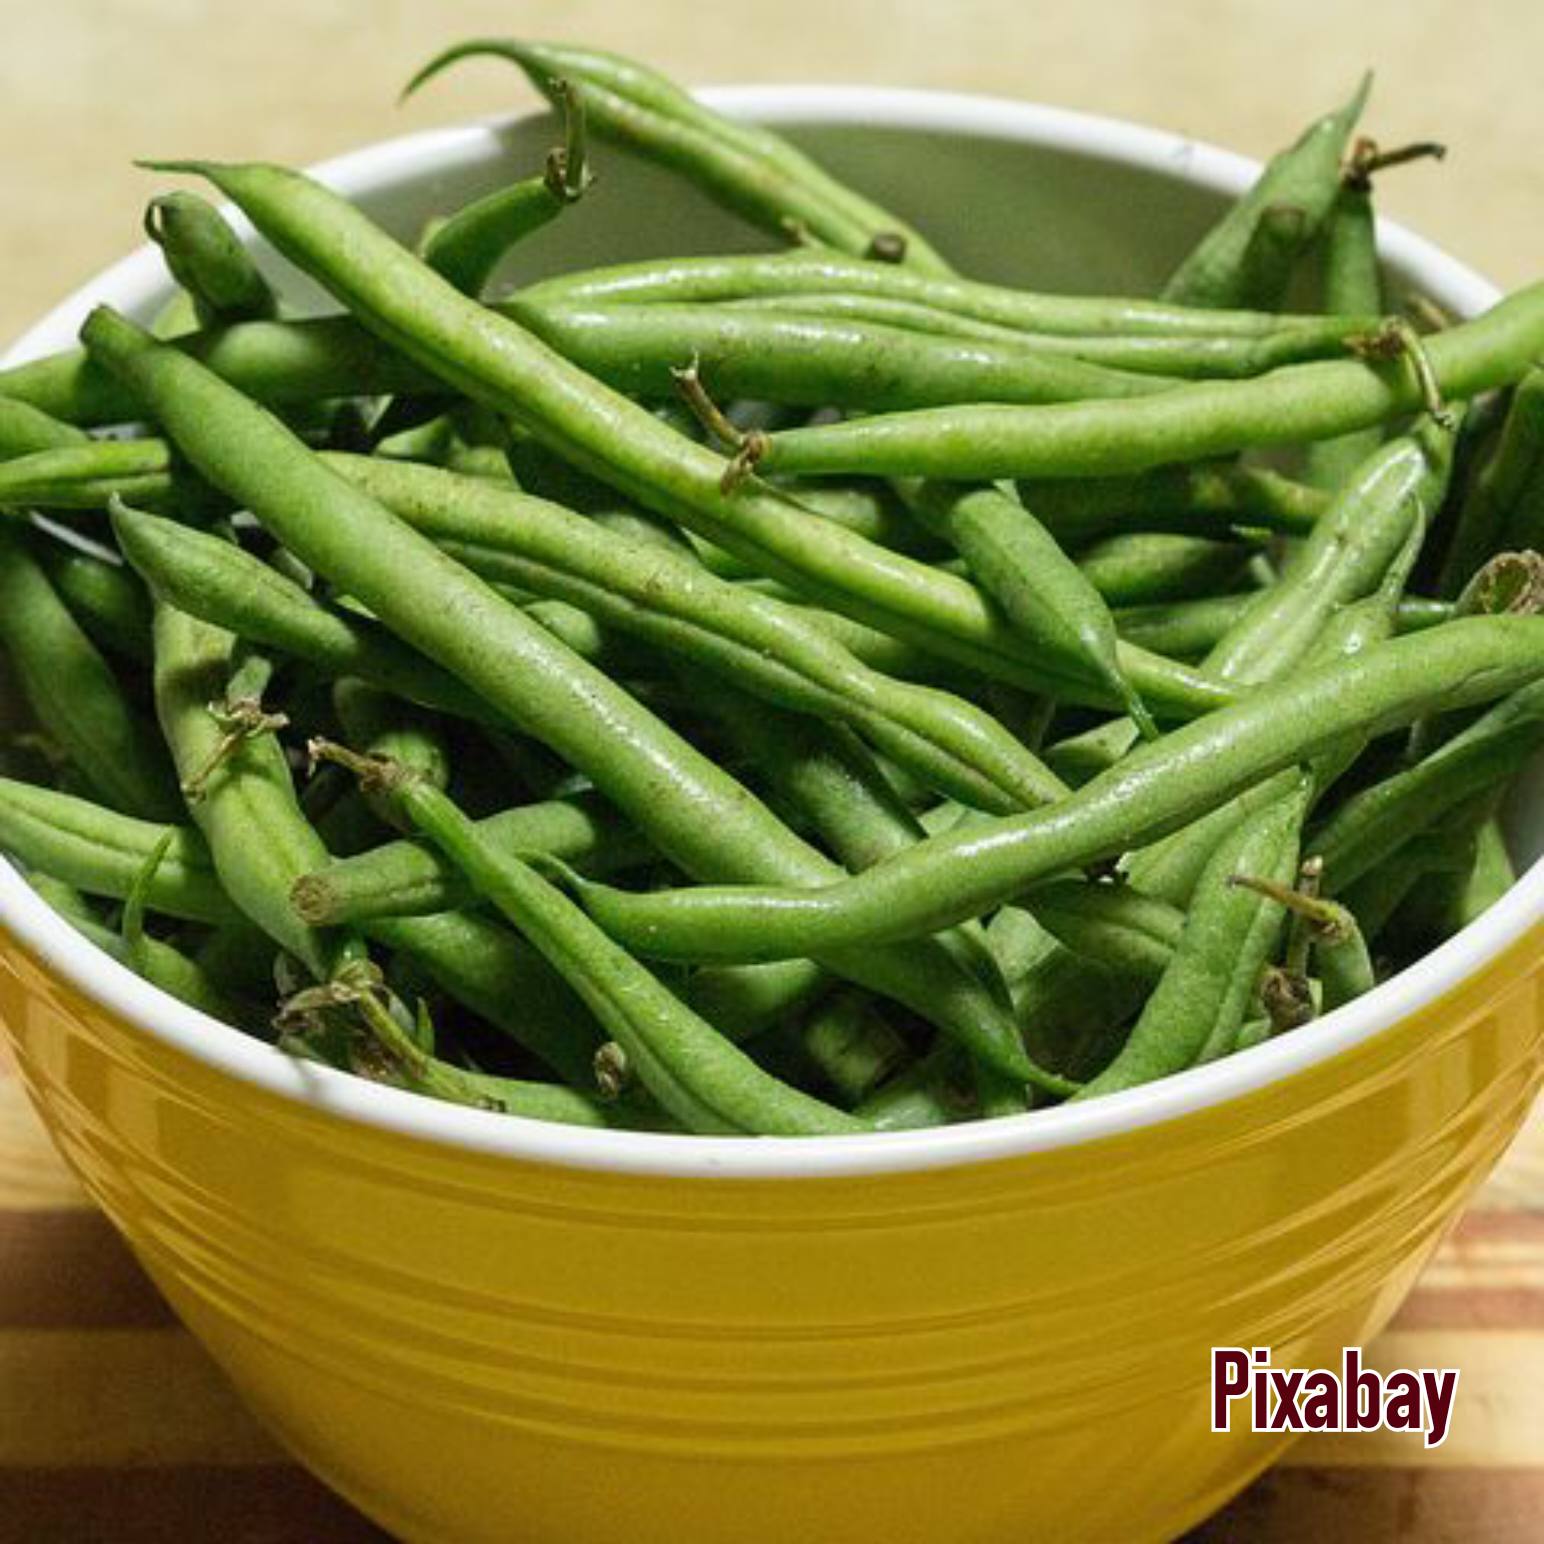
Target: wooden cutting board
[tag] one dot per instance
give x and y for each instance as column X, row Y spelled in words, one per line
column 115, row 1427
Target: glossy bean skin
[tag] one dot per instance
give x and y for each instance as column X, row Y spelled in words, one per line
column 1150, row 566
column 102, row 852
column 695, row 1074
column 1178, row 691
column 90, row 718
column 691, row 809
column 1041, row 591
column 814, row 361
column 799, row 274
column 407, row 878
column 1157, row 789
column 1305, row 177
column 220, row 584
column 749, row 169
column 1175, row 355
column 1228, row 934
column 667, row 599
column 1395, row 492
column 1196, row 422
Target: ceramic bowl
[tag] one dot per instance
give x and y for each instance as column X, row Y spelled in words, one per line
column 481, row 1329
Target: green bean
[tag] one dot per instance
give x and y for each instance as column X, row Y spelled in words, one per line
column 1505, row 504
column 814, row 361
column 1189, row 629
column 258, row 839
column 467, row 246
column 106, row 599
column 25, row 429
column 72, row 692
column 1211, row 499
column 100, row 851
column 682, row 280
column 157, row 962
column 693, row 811
column 695, row 1074
column 749, row 169
column 667, row 599
column 1228, row 934
column 217, row 582
column 1395, row 491
column 853, row 1046
column 280, row 363
column 1160, row 787
column 1350, row 282
column 84, row 476
column 1126, row 932
column 1339, row 952
column 1289, row 406
column 1382, row 891
column 485, row 967
column 1146, row 567
column 1304, row 177
column 406, row 878
column 382, row 725
column 1376, row 822
column 1183, row 355
column 1490, row 877
column 1041, row 590
column 207, row 259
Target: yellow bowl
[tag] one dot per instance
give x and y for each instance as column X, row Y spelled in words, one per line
column 478, row 1328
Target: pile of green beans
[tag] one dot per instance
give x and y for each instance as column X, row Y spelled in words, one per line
column 489, row 694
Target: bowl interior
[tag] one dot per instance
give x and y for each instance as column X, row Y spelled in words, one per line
column 1011, row 192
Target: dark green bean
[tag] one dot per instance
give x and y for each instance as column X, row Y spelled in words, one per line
column 73, row 694
column 1375, row 823
column 1211, row 499
column 104, row 596
column 749, row 169
column 1144, row 567
column 1505, row 504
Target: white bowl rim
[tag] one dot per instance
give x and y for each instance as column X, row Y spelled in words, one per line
column 54, row 942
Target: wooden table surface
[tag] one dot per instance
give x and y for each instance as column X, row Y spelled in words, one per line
column 113, row 1426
